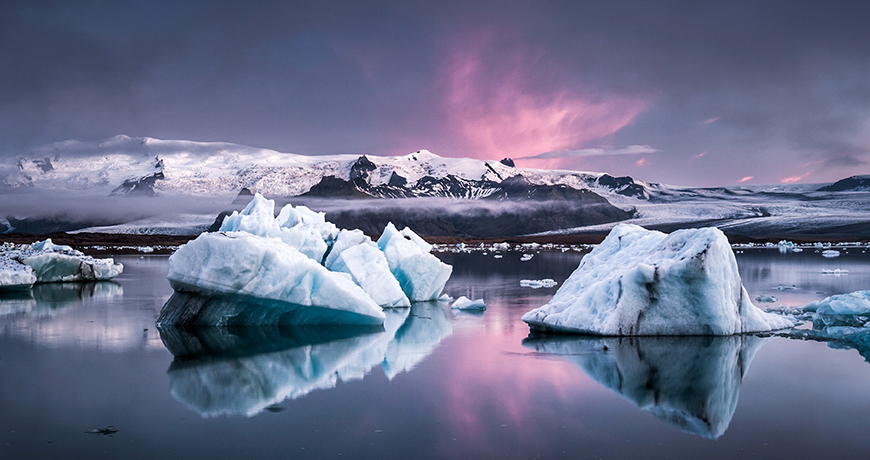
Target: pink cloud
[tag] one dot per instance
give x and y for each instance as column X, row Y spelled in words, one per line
column 746, row 179
column 641, row 162
column 710, row 120
column 497, row 111
column 793, row 179
column 701, row 155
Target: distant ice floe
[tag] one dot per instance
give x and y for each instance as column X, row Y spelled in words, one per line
column 526, row 257
column 642, row 282
column 537, row 284
column 692, row 383
column 835, row 272
column 830, row 253
column 22, row 265
column 766, row 299
column 464, row 303
column 297, row 268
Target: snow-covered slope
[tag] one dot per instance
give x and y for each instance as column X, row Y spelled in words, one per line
column 126, row 165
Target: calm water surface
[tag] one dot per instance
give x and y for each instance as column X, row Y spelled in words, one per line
column 435, row 384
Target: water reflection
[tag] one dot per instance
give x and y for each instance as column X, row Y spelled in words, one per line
column 49, row 298
column 691, row 383
column 244, row 370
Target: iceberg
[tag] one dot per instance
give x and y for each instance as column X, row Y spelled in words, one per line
column 853, row 303
column 537, row 284
column 304, row 230
column 357, row 255
column 464, row 303
column 255, row 267
column 45, row 262
column 692, row 383
column 642, row 282
column 420, row 274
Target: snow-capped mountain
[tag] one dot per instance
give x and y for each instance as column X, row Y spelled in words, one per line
column 145, row 166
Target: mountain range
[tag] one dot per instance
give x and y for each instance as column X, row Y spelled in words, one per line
column 432, row 194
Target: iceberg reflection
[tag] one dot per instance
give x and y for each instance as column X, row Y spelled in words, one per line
column 244, row 370
column 691, row 383
column 49, row 298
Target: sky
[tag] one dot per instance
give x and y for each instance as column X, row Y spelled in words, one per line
column 680, row 92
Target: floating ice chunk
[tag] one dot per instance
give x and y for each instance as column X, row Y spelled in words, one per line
column 251, row 266
column 49, row 263
column 445, row 298
column 766, row 299
column 641, row 282
column 421, row 275
column 14, row 274
column 354, row 253
column 692, row 383
column 464, row 303
column 796, row 249
column 498, row 256
column 835, row 272
column 830, row 253
column 537, row 284
column 526, row 257
column 853, row 303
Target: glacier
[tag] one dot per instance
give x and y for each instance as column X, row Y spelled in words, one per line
column 642, row 282
column 296, row 268
column 22, row 265
column 691, row 383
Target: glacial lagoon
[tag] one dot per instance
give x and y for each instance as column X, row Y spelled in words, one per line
column 85, row 373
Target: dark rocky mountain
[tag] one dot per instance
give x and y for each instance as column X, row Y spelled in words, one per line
column 854, row 183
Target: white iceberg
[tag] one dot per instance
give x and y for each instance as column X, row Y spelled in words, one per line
column 301, row 228
column 853, row 303
column 537, row 284
column 48, row 263
column 257, row 267
column 354, row 253
column 642, row 282
column 421, row 275
column 464, row 303
column 830, row 253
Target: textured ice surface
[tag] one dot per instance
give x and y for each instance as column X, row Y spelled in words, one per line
column 641, row 282
column 355, row 254
column 299, row 228
column 48, row 262
column 537, row 284
column 421, row 275
column 464, row 303
column 830, row 253
column 691, row 383
column 253, row 266
column 853, row 303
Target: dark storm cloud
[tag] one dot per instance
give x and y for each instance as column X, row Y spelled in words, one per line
column 769, row 89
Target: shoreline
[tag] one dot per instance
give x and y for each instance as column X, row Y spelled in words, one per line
column 120, row 243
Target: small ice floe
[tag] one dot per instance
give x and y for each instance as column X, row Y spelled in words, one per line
column 498, row 256
column 464, row 303
column 835, row 272
column 526, row 257
column 785, row 287
column 853, row 303
column 830, row 253
column 537, row 284
column 642, row 282
column 796, row 249
column 21, row 265
column 766, row 299
column 445, row 298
